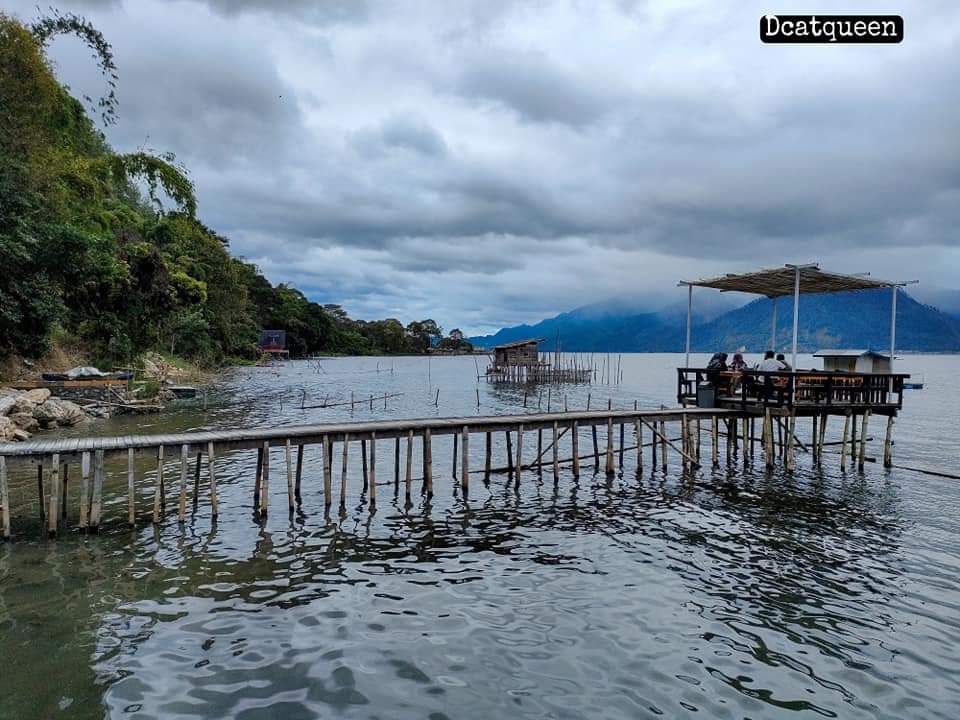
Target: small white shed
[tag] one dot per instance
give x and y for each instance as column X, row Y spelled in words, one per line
column 861, row 361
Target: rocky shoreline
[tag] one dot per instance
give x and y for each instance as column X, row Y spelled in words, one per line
column 23, row 413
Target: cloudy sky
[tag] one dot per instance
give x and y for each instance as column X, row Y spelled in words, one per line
column 489, row 162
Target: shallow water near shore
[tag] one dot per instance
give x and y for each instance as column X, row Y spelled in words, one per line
column 728, row 593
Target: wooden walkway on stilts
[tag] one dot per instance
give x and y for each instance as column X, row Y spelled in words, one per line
column 53, row 458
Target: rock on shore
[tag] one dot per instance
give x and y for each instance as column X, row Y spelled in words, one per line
column 23, row 413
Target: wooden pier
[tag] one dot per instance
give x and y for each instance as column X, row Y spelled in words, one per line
column 600, row 438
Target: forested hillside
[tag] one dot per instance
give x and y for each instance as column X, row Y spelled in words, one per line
column 107, row 250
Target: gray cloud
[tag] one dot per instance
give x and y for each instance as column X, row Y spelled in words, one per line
column 513, row 160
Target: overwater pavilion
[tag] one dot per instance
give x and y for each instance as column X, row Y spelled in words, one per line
column 797, row 392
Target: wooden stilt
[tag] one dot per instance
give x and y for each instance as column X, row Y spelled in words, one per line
column 685, row 440
column 638, row 431
column 745, row 444
column 853, row 439
column 575, row 447
column 609, row 454
column 510, row 466
column 327, row 471
column 214, row 509
column 791, row 438
column 53, row 516
column 653, row 451
column 408, row 478
column 299, row 475
column 396, row 462
column 813, row 439
column 96, row 505
column 734, row 431
column 288, row 456
column 453, row 472
column 363, row 465
column 258, row 480
column 768, row 430
column 715, row 440
column 156, row 490
column 4, row 500
column 539, row 451
column 343, row 470
column 487, row 456
column 843, row 443
column 265, row 481
column 621, row 444
column 556, row 450
column 823, row 433
column 863, row 439
column 428, row 463
column 184, row 468
column 196, row 479
column 373, row 468
column 663, row 445
column 64, row 480
column 465, row 470
column 596, row 448
column 888, row 443
column 41, row 495
column 131, row 490
column 518, row 465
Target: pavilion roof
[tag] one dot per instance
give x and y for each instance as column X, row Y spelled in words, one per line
column 775, row 282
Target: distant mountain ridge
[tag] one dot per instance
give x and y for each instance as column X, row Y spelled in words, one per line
column 859, row 319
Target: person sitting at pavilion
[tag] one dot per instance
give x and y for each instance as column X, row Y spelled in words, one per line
column 717, row 365
column 769, row 363
column 784, row 365
column 738, row 364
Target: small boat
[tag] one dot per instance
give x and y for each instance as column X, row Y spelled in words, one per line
column 183, row 392
column 913, row 385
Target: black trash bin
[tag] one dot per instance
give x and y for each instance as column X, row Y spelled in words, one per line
column 706, row 395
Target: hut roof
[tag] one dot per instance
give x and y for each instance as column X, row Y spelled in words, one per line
column 518, row 343
column 776, row 282
column 848, row 353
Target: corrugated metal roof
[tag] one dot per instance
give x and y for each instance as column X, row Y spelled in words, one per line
column 848, row 353
column 777, row 282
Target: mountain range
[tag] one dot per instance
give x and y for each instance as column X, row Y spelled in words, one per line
column 859, row 319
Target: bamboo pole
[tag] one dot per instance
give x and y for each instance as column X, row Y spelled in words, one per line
column 863, row 439
column 408, row 478
column 575, row 441
column 487, row 456
column 53, row 516
column 373, row 468
column 519, row 462
column 4, row 500
column 258, row 480
column 665, row 441
column 620, row 458
column 327, row 471
column 685, row 440
column 465, row 470
column 214, row 509
column 596, row 448
column 396, row 463
column 609, row 455
column 768, row 429
column 41, row 496
column 299, row 475
column 453, row 471
column 823, row 433
column 790, row 457
column 131, row 488
column 343, row 470
column 363, row 464
column 813, row 438
column 556, row 450
column 196, row 479
column 184, row 465
column 888, row 444
column 291, row 504
column 64, row 479
column 714, row 440
column 843, row 445
column 509, row 455
column 663, row 444
column 638, row 430
column 265, row 481
column 96, row 505
column 428, row 463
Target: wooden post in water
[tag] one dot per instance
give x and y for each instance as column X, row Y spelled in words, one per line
column 184, row 465
column 638, row 431
column 814, row 449
column 768, row 430
column 663, row 444
column 453, row 472
column 299, row 472
column 823, row 433
column 509, row 456
column 96, row 505
column 196, row 479
column 556, row 450
column 863, row 440
column 64, row 479
column 343, row 470
column 373, row 468
column 428, row 463
column 888, row 443
column 853, row 439
column 363, row 464
column 745, row 449
column 575, row 446
column 684, row 440
column 327, row 471
column 4, row 500
column 715, row 440
column 258, row 480
column 519, row 463
column 487, row 457
column 621, row 444
column 53, row 516
column 265, row 480
column 396, row 463
column 291, row 502
column 843, row 443
column 41, row 496
column 408, row 478
column 596, row 447
column 465, row 470
column 791, row 428
column 131, row 489
column 214, row 510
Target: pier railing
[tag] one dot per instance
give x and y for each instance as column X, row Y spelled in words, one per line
column 789, row 389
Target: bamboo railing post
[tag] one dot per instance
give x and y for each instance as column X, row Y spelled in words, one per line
column 596, row 448
column 663, row 444
column 790, row 457
column 156, row 489
column 373, row 467
column 574, row 445
column 465, row 454
column 428, row 464
column 556, row 450
column 408, row 479
column 814, row 434
column 290, row 490
column 41, row 496
column 259, row 479
column 96, row 506
column 53, row 515
column 745, row 449
column 518, row 465
column 343, row 470
column 4, row 500
column 184, row 464
column 888, row 443
column 621, row 444
column 64, row 480
column 487, row 456
column 213, row 481
column 131, row 490
column 299, row 476
column 327, row 471
column 685, row 440
column 510, row 469
column 638, row 431
column 863, row 439
column 823, row 434
column 768, row 429
column 843, row 443
column 265, row 481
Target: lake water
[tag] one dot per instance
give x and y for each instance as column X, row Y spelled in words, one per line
column 724, row 593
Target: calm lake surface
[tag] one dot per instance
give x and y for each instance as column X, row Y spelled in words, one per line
column 724, row 593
